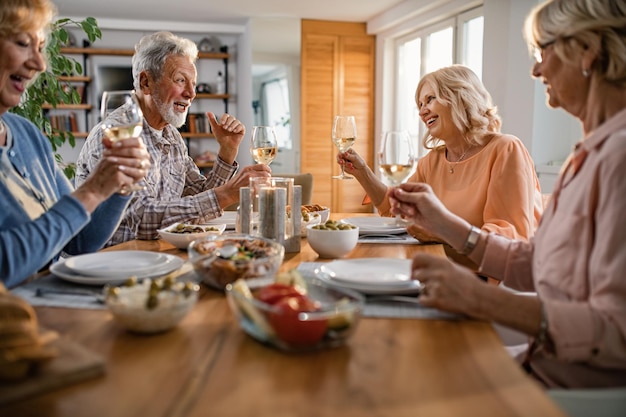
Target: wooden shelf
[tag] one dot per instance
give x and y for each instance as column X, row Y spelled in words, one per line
column 67, row 107
column 74, row 78
column 197, row 135
column 130, row 52
column 217, row 96
column 204, row 165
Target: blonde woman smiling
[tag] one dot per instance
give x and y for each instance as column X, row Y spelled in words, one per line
column 483, row 176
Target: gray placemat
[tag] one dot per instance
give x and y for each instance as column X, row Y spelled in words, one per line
column 402, row 238
column 400, row 307
column 51, row 291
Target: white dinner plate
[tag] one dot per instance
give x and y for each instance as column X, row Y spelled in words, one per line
column 121, row 264
column 374, row 225
column 371, row 275
column 229, row 218
column 61, row 270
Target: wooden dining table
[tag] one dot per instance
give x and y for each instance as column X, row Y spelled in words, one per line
column 207, row 366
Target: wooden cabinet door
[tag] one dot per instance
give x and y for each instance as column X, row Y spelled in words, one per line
column 337, row 78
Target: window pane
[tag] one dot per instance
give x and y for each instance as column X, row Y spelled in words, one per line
column 409, row 64
column 275, row 96
column 439, row 49
column 473, row 45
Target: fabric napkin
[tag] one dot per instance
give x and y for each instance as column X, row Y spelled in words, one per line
column 402, row 238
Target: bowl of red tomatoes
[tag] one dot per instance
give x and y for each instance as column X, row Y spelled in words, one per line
column 295, row 314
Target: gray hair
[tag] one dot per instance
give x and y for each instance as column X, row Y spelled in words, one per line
column 152, row 51
column 598, row 24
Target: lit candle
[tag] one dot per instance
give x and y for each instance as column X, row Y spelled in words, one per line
column 272, row 206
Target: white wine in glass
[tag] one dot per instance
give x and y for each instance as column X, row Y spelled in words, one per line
column 344, row 135
column 121, row 118
column 397, row 159
column 263, row 144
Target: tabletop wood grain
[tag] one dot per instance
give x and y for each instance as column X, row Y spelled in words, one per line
column 208, row 367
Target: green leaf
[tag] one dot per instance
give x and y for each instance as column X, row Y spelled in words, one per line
column 48, row 89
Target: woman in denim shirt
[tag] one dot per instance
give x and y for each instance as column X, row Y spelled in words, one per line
column 40, row 213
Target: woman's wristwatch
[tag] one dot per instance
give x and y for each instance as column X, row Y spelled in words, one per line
column 471, row 241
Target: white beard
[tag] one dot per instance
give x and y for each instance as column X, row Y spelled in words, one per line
column 166, row 111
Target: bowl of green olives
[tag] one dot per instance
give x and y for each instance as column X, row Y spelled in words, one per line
column 332, row 239
column 182, row 234
column 151, row 305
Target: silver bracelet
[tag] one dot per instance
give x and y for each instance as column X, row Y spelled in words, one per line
column 471, row 241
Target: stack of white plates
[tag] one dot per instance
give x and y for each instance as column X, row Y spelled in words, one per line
column 229, row 218
column 376, row 225
column 370, row 275
column 115, row 267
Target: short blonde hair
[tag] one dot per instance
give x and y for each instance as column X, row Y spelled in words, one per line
column 597, row 24
column 473, row 112
column 26, row 16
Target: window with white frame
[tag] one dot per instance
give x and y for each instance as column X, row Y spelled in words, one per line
column 275, row 110
column 455, row 40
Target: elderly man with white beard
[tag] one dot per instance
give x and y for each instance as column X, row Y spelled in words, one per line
column 164, row 78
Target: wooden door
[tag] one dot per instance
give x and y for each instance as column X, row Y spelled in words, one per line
column 337, row 78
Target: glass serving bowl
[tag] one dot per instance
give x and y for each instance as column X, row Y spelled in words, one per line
column 331, row 325
column 150, row 306
column 255, row 257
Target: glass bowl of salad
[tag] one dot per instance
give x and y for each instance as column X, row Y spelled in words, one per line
column 221, row 260
column 303, row 317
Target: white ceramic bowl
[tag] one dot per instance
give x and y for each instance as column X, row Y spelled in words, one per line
column 313, row 219
column 323, row 211
column 182, row 234
column 332, row 243
column 142, row 309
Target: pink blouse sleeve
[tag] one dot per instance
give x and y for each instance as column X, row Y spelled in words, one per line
column 514, row 203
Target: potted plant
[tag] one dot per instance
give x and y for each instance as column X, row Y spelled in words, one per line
column 49, row 89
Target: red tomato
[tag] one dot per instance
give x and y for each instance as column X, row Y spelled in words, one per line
column 273, row 293
column 290, row 329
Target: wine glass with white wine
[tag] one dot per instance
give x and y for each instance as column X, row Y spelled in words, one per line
column 121, row 118
column 263, row 144
column 397, row 159
column 344, row 135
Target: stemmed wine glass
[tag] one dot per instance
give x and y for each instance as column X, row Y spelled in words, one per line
column 263, row 144
column 344, row 135
column 121, row 118
column 397, row 159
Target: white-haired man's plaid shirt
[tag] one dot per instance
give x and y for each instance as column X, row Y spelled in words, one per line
column 175, row 190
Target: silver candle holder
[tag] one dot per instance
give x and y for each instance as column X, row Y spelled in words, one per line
column 263, row 211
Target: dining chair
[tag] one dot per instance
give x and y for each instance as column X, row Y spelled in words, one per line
column 305, row 180
column 598, row 402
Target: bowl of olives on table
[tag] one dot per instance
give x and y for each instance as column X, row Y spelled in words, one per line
column 182, row 234
column 151, row 305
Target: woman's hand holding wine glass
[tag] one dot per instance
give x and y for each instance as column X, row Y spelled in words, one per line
column 344, row 135
column 263, row 144
column 122, row 119
column 397, row 159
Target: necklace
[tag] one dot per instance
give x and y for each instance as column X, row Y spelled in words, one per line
column 451, row 167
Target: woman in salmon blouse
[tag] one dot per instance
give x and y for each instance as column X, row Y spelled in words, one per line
column 485, row 177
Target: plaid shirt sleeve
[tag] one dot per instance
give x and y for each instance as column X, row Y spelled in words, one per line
column 174, row 189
